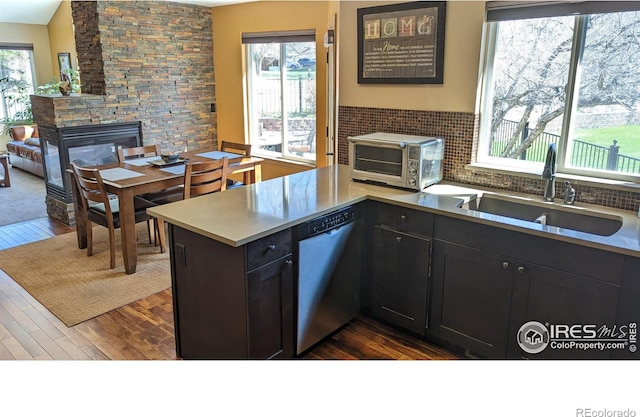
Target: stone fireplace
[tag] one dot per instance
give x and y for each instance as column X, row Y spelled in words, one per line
column 89, row 145
column 141, row 62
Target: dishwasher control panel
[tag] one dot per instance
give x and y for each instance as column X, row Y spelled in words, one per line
column 330, row 221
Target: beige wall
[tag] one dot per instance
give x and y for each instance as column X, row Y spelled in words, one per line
column 38, row 36
column 61, row 36
column 229, row 22
column 462, row 53
column 456, row 94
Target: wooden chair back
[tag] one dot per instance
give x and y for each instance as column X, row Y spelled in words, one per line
column 91, row 187
column 205, row 177
column 139, row 151
column 240, row 148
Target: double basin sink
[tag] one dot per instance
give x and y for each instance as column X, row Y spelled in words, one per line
column 546, row 213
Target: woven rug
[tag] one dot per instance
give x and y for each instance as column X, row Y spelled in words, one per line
column 76, row 287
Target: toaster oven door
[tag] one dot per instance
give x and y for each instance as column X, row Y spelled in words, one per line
column 377, row 162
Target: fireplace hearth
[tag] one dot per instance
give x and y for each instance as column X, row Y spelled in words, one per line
column 84, row 145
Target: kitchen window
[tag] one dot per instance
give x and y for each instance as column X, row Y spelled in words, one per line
column 281, row 94
column 563, row 73
column 16, row 82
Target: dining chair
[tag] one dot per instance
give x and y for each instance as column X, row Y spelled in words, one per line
column 138, row 152
column 239, row 148
column 199, row 178
column 125, row 154
column 205, row 177
column 100, row 209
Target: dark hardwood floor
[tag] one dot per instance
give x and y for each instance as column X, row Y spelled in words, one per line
column 144, row 329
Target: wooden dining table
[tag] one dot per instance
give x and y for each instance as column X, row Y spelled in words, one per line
column 138, row 176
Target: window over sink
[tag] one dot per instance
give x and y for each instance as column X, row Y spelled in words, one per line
column 563, row 73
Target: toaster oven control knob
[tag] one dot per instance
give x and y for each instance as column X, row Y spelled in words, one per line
column 413, row 182
column 413, row 171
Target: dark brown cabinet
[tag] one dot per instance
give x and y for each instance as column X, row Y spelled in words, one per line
column 232, row 302
column 401, row 251
column 471, row 298
column 482, row 297
column 270, row 309
column 550, row 296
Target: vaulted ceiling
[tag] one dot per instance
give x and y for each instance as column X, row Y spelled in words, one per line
column 39, row 12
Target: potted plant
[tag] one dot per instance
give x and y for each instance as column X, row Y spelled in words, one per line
column 17, row 94
column 71, row 82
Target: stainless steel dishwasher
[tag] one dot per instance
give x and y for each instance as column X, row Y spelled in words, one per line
column 328, row 251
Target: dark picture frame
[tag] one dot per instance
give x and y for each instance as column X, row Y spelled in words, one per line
column 64, row 62
column 402, row 43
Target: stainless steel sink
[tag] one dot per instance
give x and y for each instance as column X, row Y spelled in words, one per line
column 550, row 214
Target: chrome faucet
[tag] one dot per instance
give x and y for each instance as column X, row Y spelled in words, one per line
column 549, row 174
column 569, row 193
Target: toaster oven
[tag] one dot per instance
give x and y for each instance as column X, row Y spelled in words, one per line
column 405, row 161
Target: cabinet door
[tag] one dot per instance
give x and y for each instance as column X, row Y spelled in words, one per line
column 208, row 297
column 471, row 298
column 554, row 297
column 270, row 309
column 400, row 276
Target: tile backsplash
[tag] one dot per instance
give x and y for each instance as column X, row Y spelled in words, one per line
column 460, row 132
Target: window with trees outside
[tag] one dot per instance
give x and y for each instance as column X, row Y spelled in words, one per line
column 281, row 94
column 16, row 83
column 567, row 74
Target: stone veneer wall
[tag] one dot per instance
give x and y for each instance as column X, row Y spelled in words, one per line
column 139, row 61
column 459, row 131
column 147, row 61
column 88, row 46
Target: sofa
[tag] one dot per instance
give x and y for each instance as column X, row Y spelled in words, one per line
column 24, row 149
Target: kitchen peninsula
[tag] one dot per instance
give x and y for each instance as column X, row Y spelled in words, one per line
column 459, row 277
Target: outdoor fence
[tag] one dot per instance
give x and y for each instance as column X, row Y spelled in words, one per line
column 583, row 154
column 299, row 96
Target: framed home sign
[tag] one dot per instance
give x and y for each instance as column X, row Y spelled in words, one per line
column 401, row 43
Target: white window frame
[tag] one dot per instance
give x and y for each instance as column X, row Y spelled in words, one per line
column 510, row 10
column 20, row 47
column 279, row 38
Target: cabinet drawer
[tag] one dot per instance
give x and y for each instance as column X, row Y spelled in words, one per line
column 268, row 249
column 403, row 219
column 564, row 256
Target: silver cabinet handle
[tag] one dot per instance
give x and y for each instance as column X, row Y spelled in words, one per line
column 272, row 246
column 289, row 262
column 521, row 269
column 398, row 239
column 505, row 265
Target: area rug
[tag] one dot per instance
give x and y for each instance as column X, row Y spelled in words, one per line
column 24, row 200
column 75, row 287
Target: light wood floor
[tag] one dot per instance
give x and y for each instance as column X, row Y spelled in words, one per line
column 144, row 329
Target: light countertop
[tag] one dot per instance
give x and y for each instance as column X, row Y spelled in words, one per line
column 244, row 214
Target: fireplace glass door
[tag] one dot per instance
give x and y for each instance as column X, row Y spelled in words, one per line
column 85, row 146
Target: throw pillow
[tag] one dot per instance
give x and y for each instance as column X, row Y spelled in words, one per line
column 32, row 141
